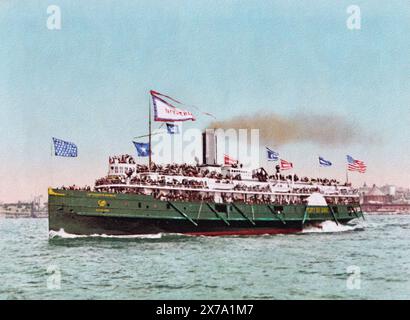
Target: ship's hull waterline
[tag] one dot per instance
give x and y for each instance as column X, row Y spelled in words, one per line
column 88, row 213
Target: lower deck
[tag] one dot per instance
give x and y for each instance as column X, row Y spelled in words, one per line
column 84, row 212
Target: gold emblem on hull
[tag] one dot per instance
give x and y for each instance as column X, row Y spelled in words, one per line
column 102, row 203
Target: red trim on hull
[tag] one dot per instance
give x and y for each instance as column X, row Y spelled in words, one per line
column 254, row 231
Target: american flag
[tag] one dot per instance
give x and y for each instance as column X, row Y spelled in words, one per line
column 229, row 161
column 285, row 165
column 355, row 165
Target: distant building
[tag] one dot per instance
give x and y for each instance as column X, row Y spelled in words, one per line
column 363, row 190
column 385, row 200
column 375, row 195
column 389, row 190
column 21, row 209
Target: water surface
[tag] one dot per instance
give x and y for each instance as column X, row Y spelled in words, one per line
column 311, row 265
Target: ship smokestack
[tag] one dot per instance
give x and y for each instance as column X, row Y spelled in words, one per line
column 209, row 145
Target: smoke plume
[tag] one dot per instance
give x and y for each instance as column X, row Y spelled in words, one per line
column 319, row 129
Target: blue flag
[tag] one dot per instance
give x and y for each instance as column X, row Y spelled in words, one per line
column 172, row 128
column 324, row 163
column 272, row 155
column 142, row 149
column 64, row 148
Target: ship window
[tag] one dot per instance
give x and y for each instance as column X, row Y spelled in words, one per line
column 168, row 206
column 139, row 204
column 147, row 206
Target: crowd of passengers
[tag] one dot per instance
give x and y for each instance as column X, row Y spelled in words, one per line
column 295, row 178
column 171, row 169
column 184, row 183
column 110, row 180
column 125, row 158
column 226, row 197
column 183, row 170
column 74, row 187
column 195, row 184
column 190, row 196
column 256, row 188
column 194, row 171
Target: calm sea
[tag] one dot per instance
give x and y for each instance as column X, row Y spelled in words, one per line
column 368, row 261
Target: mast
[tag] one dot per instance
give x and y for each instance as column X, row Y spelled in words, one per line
column 149, row 135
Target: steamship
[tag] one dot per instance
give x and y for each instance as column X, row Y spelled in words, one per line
column 206, row 199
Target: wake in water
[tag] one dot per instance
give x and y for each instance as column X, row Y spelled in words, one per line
column 331, row 226
column 65, row 235
column 323, row 227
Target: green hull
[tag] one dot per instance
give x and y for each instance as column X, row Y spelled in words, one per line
column 86, row 213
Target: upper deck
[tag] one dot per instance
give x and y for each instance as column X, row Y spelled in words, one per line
column 124, row 175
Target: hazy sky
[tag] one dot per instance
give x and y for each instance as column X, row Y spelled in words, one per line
column 89, row 81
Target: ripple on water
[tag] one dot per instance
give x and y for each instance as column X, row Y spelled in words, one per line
column 310, row 265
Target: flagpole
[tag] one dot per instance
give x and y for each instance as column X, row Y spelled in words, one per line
column 149, row 139
column 51, row 165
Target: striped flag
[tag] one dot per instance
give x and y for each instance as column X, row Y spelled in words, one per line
column 285, row 165
column 355, row 165
column 324, row 163
column 157, row 94
column 272, row 155
column 165, row 111
column 229, row 161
